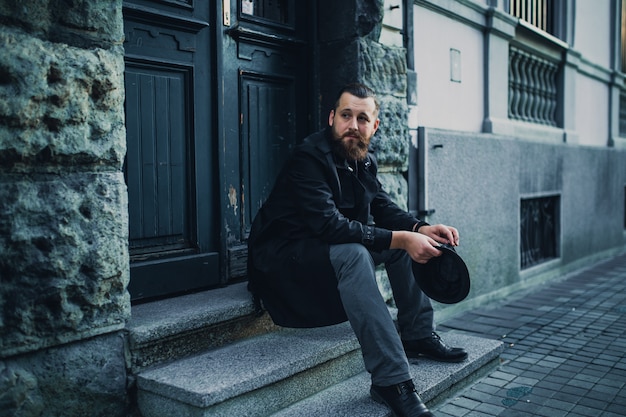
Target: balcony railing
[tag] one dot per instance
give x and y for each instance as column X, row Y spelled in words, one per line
column 536, row 12
column 533, row 89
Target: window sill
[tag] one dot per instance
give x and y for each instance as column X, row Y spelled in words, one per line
column 528, row 131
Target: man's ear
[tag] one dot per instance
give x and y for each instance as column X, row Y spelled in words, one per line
column 376, row 123
column 331, row 117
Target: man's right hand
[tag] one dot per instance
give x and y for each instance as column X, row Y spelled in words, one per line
column 419, row 246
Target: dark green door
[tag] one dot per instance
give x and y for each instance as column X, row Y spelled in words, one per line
column 267, row 102
column 170, row 169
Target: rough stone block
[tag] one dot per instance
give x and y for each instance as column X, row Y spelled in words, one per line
column 59, row 105
column 76, row 380
column 82, row 23
column 392, row 138
column 383, row 68
column 63, row 258
column 397, row 188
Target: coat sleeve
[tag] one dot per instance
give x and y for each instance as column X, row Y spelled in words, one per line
column 387, row 214
column 310, row 180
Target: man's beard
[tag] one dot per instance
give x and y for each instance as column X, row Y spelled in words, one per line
column 350, row 150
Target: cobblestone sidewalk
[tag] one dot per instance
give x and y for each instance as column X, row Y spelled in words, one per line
column 565, row 350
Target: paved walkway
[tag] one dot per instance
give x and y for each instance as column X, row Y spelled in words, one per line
column 565, row 350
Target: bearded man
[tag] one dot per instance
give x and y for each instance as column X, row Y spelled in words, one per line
column 315, row 243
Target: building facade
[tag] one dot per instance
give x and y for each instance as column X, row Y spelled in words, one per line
column 139, row 138
column 518, row 118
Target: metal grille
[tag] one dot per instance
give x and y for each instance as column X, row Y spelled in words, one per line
column 536, row 12
column 622, row 113
column 533, row 88
column 539, row 227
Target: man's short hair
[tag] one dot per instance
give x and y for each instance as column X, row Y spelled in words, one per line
column 358, row 90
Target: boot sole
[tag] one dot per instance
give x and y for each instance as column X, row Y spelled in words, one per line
column 377, row 398
column 417, row 355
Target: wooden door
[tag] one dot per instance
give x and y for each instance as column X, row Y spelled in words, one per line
column 267, row 103
column 170, row 166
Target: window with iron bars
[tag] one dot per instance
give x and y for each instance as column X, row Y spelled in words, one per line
column 534, row 89
column 539, row 13
column 539, row 228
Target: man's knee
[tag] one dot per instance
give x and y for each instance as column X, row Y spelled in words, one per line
column 399, row 255
column 351, row 257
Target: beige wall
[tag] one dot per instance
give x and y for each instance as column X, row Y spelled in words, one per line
column 443, row 103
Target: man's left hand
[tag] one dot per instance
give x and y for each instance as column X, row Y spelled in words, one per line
column 441, row 233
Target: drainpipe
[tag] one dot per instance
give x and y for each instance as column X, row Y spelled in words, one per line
column 418, row 158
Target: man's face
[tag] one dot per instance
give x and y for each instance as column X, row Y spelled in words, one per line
column 353, row 124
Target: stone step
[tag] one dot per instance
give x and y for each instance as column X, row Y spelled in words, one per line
column 251, row 377
column 170, row 329
column 435, row 381
column 296, row 372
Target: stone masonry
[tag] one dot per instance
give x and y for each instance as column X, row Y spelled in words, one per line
column 350, row 51
column 63, row 209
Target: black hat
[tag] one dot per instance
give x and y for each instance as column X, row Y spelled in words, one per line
column 443, row 278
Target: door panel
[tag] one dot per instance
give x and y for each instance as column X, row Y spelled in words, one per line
column 170, row 168
column 267, row 60
column 265, row 143
column 157, row 164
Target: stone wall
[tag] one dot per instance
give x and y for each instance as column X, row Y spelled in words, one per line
column 350, row 51
column 63, row 209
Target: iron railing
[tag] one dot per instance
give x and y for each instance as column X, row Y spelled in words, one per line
column 536, row 12
column 622, row 113
column 533, row 89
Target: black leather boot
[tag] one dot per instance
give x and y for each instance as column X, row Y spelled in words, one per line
column 402, row 399
column 434, row 348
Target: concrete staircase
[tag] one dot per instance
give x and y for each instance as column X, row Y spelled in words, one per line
column 207, row 354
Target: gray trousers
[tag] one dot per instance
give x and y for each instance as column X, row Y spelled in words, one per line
column 355, row 268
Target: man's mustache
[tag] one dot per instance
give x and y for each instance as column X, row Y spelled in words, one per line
column 353, row 135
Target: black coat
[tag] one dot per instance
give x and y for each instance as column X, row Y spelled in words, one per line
column 318, row 199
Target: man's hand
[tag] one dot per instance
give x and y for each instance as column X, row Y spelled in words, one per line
column 441, row 233
column 419, row 246
column 422, row 246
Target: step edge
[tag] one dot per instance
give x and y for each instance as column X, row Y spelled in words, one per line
column 161, row 319
column 429, row 393
column 148, row 380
